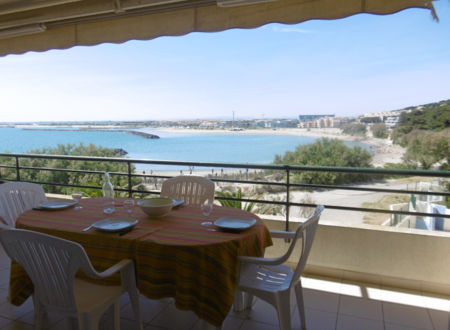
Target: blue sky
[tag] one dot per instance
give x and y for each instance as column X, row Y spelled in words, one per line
column 364, row 63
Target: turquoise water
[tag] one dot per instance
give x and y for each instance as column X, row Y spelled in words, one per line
column 226, row 148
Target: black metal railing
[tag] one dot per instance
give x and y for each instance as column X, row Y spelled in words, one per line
column 286, row 184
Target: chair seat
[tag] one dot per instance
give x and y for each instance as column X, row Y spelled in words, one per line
column 52, row 262
column 90, row 296
column 266, row 278
column 272, row 281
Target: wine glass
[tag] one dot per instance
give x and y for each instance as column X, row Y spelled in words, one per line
column 128, row 206
column 76, row 196
column 207, row 207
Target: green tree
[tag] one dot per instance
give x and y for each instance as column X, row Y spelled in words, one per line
column 67, row 177
column 380, row 131
column 427, row 148
column 434, row 117
column 326, row 152
column 355, row 129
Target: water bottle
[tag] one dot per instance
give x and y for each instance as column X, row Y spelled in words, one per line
column 108, row 196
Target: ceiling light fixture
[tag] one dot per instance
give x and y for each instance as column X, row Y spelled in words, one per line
column 22, row 30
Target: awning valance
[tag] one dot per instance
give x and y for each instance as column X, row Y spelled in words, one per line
column 39, row 25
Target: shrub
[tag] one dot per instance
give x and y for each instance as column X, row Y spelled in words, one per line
column 326, row 152
column 380, row 131
column 73, row 178
column 355, row 129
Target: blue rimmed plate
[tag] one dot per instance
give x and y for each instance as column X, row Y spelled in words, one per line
column 234, row 223
column 115, row 224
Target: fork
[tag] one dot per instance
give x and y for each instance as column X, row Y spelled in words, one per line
column 88, row 227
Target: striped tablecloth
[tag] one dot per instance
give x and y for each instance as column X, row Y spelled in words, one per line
column 175, row 255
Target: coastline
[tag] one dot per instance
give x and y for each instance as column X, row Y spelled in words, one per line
column 383, row 149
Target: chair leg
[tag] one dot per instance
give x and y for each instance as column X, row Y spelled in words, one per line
column 116, row 315
column 283, row 307
column 39, row 316
column 300, row 304
column 248, row 300
column 84, row 322
column 242, row 301
column 238, row 302
column 73, row 323
column 134, row 299
column 128, row 277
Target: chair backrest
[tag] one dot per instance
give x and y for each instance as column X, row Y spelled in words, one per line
column 193, row 189
column 18, row 197
column 50, row 262
column 306, row 231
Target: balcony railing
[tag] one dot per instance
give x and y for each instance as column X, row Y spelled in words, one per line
column 242, row 177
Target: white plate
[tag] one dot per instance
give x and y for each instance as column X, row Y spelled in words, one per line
column 234, row 223
column 57, row 205
column 177, row 202
column 115, row 224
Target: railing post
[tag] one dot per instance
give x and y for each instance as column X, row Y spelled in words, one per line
column 287, row 196
column 129, row 181
column 17, row 169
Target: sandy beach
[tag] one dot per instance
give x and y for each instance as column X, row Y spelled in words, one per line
column 383, row 149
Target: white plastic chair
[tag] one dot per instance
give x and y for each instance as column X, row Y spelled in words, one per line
column 18, row 197
column 272, row 281
column 52, row 263
column 193, row 189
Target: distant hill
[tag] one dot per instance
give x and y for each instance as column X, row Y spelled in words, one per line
column 429, row 105
column 430, row 117
column 425, row 132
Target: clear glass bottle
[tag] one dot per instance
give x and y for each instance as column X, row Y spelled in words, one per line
column 108, row 195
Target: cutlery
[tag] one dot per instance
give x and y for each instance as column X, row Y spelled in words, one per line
column 88, row 227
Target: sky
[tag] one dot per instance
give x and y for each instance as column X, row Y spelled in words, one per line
column 360, row 64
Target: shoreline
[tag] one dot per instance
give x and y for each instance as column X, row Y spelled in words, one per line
column 384, row 151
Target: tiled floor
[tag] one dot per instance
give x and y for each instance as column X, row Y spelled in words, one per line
column 329, row 305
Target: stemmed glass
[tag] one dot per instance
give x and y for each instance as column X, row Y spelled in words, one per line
column 128, row 206
column 76, row 196
column 207, row 207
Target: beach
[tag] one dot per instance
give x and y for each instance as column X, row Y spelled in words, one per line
column 384, row 151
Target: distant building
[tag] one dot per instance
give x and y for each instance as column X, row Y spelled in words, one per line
column 391, row 121
column 324, row 122
column 306, row 118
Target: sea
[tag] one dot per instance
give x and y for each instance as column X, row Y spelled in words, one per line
column 223, row 148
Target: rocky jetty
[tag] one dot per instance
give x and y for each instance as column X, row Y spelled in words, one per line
column 137, row 133
column 119, row 152
column 142, row 134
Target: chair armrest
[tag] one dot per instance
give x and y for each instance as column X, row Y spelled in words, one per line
column 3, row 224
column 121, row 265
column 282, row 234
column 260, row 261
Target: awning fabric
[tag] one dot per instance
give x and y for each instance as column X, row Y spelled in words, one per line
column 67, row 23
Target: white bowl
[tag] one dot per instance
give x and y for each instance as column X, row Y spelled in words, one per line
column 156, row 206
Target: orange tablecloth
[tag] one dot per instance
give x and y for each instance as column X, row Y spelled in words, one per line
column 175, row 255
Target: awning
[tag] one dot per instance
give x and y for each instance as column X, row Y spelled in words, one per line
column 39, row 25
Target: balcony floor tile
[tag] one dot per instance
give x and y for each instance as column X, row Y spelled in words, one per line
column 407, row 315
column 347, row 322
column 361, row 307
column 329, row 303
